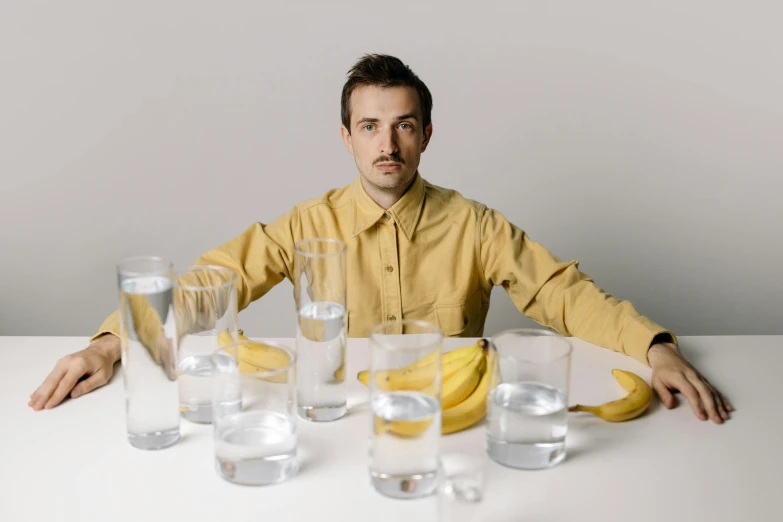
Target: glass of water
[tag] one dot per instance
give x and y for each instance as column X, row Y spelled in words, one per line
column 254, row 406
column 405, row 380
column 148, row 340
column 321, row 331
column 461, row 486
column 205, row 302
column 528, row 398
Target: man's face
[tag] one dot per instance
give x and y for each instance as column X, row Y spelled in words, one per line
column 386, row 137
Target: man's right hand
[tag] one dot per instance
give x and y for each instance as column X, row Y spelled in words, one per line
column 95, row 364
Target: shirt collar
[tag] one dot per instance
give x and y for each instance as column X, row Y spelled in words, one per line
column 406, row 212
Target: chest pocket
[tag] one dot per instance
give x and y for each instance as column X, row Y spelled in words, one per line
column 465, row 319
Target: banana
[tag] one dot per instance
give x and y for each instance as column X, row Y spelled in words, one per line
column 629, row 407
column 420, row 373
column 461, row 415
column 460, row 384
column 253, row 356
column 471, row 410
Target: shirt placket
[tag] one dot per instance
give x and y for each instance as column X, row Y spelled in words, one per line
column 390, row 270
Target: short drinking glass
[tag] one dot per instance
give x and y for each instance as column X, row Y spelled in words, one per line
column 321, row 330
column 148, row 340
column 206, row 309
column 404, row 382
column 528, row 399
column 255, row 412
column 461, row 486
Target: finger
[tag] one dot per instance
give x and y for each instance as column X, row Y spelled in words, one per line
column 44, row 391
column 719, row 403
column 665, row 395
column 66, row 385
column 723, row 403
column 687, row 389
column 95, row 380
column 726, row 404
column 706, row 396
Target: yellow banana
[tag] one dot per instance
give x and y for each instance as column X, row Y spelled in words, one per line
column 224, row 338
column 254, row 356
column 471, row 410
column 462, row 415
column 421, row 373
column 460, row 384
column 629, row 407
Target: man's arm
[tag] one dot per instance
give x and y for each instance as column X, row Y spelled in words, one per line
column 556, row 294
column 261, row 256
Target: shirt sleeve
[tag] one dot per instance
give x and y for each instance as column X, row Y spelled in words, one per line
column 557, row 295
column 261, row 256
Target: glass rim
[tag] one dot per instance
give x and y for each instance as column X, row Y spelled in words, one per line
column 375, row 333
column 268, row 373
column 169, row 266
column 343, row 247
column 536, row 332
column 182, row 271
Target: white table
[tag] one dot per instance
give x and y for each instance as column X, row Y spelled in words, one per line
column 74, row 462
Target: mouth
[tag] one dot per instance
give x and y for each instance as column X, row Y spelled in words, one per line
column 388, row 166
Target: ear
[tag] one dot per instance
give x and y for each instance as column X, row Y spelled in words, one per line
column 346, row 139
column 427, row 136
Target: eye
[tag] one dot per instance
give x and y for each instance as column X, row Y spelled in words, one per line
column 406, row 126
column 368, row 127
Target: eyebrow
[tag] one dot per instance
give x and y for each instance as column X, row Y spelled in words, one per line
column 408, row 116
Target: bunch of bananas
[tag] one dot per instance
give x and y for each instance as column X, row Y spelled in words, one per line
column 464, row 382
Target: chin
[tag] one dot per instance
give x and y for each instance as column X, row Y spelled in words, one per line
column 391, row 180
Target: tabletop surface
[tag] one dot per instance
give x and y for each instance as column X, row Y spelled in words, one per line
column 74, row 462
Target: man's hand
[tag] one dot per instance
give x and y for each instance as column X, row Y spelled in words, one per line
column 96, row 363
column 670, row 371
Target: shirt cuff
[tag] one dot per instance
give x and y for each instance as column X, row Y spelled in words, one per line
column 640, row 335
column 110, row 326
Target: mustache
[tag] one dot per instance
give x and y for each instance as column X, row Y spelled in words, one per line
column 386, row 159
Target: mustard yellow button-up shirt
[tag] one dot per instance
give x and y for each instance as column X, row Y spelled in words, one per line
column 433, row 256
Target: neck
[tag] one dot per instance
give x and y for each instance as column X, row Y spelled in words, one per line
column 386, row 198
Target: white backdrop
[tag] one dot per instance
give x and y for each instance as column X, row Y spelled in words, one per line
column 641, row 138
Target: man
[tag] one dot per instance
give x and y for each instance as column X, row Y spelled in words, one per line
column 417, row 251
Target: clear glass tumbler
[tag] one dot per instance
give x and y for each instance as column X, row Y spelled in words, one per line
column 461, row 486
column 404, row 383
column 321, row 331
column 255, row 412
column 528, row 399
column 148, row 340
column 205, row 302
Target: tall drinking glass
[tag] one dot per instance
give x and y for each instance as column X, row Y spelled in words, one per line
column 528, row 398
column 255, row 419
column 148, row 340
column 321, row 331
column 205, row 302
column 405, row 379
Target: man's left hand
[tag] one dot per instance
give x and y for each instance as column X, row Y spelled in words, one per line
column 671, row 372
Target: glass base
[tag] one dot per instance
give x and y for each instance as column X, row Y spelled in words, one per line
column 526, row 456
column 154, row 440
column 405, row 486
column 258, row 472
column 322, row 413
column 198, row 413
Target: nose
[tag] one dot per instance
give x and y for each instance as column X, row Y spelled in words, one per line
column 388, row 143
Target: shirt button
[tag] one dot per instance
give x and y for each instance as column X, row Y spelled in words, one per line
column 392, row 318
column 389, row 268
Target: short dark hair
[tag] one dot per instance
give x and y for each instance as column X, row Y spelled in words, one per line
column 383, row 70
